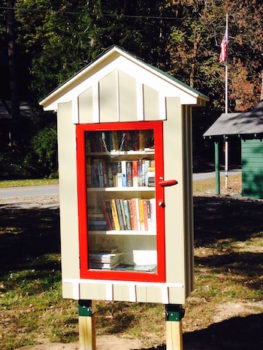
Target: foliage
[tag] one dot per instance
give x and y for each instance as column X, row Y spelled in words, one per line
column 43, row 155
column 55, row 39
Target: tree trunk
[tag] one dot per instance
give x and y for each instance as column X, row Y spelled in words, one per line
column 10, row 24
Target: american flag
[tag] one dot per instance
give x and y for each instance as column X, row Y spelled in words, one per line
column 223, row 53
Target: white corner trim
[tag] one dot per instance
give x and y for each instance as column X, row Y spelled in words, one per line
column 95, row 102
column 139, row 98
column 75, row 110
column 76, row 290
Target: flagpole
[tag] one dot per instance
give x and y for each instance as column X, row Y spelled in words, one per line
column 226, row 104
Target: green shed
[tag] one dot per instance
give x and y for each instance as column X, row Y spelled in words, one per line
column 248, row 126
column 252, row 168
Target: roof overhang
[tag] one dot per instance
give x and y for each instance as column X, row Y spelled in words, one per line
column 49, row 103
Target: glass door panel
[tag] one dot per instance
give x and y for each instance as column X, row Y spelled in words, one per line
column 121, row 200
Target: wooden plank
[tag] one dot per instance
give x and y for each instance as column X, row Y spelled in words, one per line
column 87, row 335
column 174, row 336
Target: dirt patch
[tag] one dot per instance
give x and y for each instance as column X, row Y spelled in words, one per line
column 105, row 342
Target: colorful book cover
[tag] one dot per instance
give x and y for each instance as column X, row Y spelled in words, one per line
column 109, row 212
column 129, row 174
column 135, row 173
column 141, row 215
column 145, row 216
column 123, row 172
column 119, row 212
column 123, row 215
column 133, row 214
column 106, row 215
column 115, row 215
column 119, row 174
column 127, row 214
column 137, row 213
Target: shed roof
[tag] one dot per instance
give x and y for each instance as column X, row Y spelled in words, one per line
column 247, row 123
column 114, row 52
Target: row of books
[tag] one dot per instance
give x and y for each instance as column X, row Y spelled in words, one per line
column 127, row 140
column 104, row 260
column 101, row 173
column 124, row 214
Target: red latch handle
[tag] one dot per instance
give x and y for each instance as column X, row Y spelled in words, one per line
column 168, row 183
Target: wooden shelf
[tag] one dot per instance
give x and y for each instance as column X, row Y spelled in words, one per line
column 121, row 153
column 121, row 189
column 124, row 233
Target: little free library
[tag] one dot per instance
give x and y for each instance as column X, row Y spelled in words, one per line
column 125, row 186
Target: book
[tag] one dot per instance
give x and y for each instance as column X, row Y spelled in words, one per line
column 105, row 257
column 123, row 172
column 107, row 217
column 102, row 266
column 129, row 179
column 137, row 213
column 135, row 173
column 109, row 212
column 145, row 215
column 133, row 214
column 115, row 215
column 141, row 215
column 127, row 214
column 119, row 174
column 123, row 215
column 119, row 213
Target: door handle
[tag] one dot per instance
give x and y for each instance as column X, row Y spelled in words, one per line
column 168, row 183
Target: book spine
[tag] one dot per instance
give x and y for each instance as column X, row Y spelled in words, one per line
column 135, row 173
column 88, row 167
column 109, row 211
column 123, row 172
column 123, row 215
column 119, row 174
column 119, row 213
column 115, row 141
column 141, row 215
column 133, row 214
column 137, row 213
column 129, row 174
column 115, row 215
column 141, row 140
column 106, row 215
column 127, row 214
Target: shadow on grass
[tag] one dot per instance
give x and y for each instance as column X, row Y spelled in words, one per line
column 25, row 236
column 217, row 218
column 240, row 333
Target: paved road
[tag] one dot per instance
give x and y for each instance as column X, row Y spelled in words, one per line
column 28, row 191
column 203, row 176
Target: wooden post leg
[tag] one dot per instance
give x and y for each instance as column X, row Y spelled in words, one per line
column 174, row 335
column 87, row 330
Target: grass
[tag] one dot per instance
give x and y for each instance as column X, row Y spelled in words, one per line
column 228, row 280
column 30, row 182
column 207, row 186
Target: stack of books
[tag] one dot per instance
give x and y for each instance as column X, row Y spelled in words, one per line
column 126, row 140
column 96, row 221
column 130, row 214
column 101, row 173
column 104, row 260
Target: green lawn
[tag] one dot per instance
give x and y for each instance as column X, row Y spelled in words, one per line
column 32, row 182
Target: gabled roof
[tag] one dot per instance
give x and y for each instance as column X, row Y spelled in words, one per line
column 112, row 53
column 247, row 123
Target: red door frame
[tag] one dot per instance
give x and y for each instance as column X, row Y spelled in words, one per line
column 157, row 127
